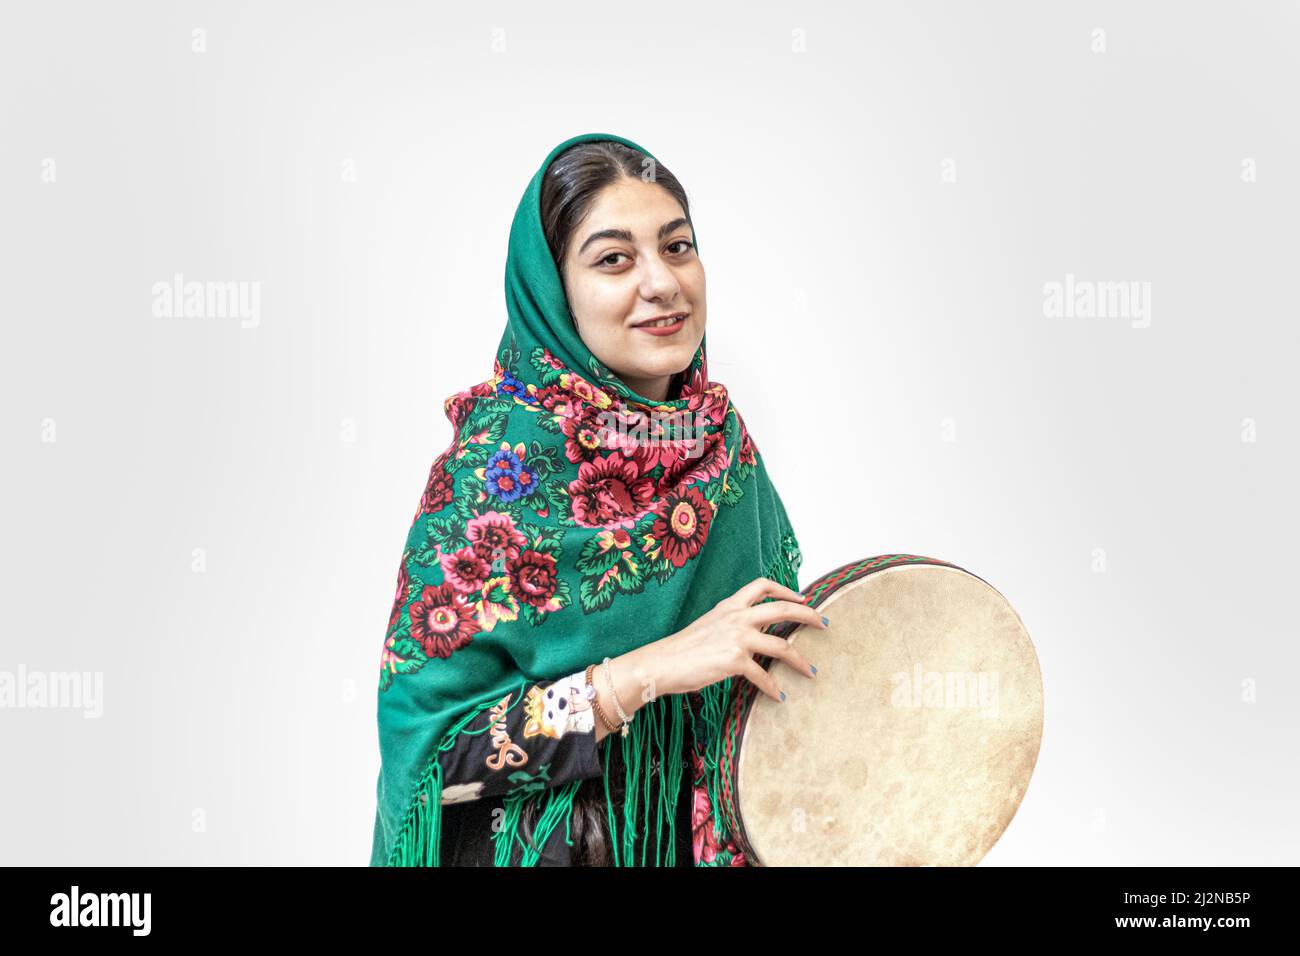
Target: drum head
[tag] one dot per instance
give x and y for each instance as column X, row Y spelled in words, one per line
column 914, row 743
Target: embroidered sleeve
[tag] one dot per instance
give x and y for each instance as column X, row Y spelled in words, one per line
column 545, row 740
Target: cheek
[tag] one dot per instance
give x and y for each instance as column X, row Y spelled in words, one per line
column 608, row 306
column 692, row 283
column 590, row 301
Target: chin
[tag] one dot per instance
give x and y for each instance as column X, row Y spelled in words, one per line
column 677, row 364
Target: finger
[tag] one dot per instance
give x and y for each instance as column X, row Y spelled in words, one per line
column 760, row 588
column 779, row 647
column 763, row 615
column 761, row 679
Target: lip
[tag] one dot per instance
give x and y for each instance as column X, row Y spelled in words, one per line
column 672, row 329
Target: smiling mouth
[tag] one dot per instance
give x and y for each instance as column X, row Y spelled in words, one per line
column 661, row 322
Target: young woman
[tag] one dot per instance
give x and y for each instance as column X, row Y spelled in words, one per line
column 596, row 558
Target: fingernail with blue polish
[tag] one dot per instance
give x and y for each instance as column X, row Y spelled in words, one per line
column 826, row 620
column 783, row 695
column 814, row 668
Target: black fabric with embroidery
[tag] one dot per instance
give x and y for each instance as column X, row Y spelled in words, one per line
column 467, row 824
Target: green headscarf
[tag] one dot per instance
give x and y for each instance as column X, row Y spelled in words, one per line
column 541, row 513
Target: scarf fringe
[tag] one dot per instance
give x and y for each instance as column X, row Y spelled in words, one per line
column 558, row 807
column 783, row 568
column 657, row 729
column 419, row 839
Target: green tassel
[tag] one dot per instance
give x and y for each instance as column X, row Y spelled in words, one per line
column 419, row 840
column 503, row 840
column 671, row 775
column 783, row 567
column 647, row 742
column 557, row 807
column 609, row 804
column 630, row 749
column 712, row 714
column 657, row 729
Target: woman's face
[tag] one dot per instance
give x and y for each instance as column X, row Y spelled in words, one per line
column 632, row 259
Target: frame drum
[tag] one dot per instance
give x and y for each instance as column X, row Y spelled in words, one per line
column 914, row 743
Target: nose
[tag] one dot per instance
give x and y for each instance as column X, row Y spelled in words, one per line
column 658, row 283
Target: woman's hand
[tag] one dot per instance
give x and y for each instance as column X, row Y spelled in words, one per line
column 723, row 642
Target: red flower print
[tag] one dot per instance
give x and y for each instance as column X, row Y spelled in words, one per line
column 582, row 440
column 465, row 569
column 492, row 534
column 644, row 438
column 559, row 402
column 695, row 384
column 610, row 493
column 403, row 582
column 745, row 455
column 457, row 407
column 532, row 578
column 709, row 407
column 582, row 388
column 704, row 845
column 442, row 621
column 707, row 460
column 682, row 526
column 438, row 490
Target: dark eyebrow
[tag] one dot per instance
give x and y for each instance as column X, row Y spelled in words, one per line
column 626, row 236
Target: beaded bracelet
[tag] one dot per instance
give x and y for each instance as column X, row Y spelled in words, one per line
column 613, row 693
column 590, row 691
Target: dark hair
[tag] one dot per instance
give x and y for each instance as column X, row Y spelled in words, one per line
column 580, row 172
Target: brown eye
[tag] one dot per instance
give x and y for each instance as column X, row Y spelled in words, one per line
column 682, row 242
column 605, row 261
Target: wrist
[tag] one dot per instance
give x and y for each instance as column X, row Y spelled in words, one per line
column 637, row 678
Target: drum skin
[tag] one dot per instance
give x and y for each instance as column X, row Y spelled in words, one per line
column 915, row 742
